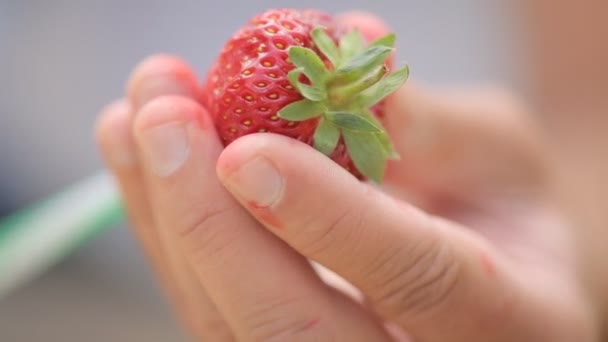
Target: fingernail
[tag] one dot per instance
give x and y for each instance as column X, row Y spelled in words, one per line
column 166, row 148
column 257, row 181
column 154, row 87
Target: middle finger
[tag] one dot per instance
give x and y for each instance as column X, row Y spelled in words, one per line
column 265, row 289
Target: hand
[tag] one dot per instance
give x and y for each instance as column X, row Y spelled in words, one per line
column 482, row 256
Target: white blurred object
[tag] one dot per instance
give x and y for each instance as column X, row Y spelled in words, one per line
column 36, row 238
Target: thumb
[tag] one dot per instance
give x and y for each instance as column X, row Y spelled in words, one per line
column 433, row 279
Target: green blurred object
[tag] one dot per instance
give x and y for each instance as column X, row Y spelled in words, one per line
column 36, row 238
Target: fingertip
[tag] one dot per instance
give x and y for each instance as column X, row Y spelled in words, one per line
column 113, row 134
column 241, row 150
column 167, row 109
column 167, row 130
column 111, row 116
column 262, row 169
column 161, row 74
column 370, row 25
column 271, row 146
column 255, row 168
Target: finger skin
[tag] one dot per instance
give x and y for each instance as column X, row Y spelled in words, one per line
column 264, row 289
column 453, row 142
column 436, row 280
column 156, row 76
column 471, row 143
column 113, row 132
column 370, row 26
column 196, row 311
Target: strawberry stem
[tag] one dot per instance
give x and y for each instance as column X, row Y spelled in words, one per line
column 342, row 95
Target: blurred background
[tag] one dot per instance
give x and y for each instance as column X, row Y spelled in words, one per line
column 61, row 61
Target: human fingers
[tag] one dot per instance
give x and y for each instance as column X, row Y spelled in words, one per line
column 154, row 77
column 471, row 142
column 264, row 289
column 457, row 140
column 434, row 279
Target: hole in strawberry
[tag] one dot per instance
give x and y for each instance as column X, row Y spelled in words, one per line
column 287, row 86
column 268, row 62
column 273, row 96
column 248, row 72
column 288, row 25
column 280, row 44
column 300, row 39
column 272, row 29
column 247, row 97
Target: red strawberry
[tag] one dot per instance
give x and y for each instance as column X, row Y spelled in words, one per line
column 296, row 73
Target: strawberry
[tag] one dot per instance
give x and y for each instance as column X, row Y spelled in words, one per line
column 297, row 73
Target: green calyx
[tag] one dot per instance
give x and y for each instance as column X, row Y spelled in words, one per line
column 341, row 95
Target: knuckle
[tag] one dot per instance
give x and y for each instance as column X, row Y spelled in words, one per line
column 418, row 287
column 212, row 330
column 281, row 319
column 343, row 225
column 209, row 234
column 323, row 232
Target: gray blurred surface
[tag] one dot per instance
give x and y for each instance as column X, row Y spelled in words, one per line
column 61, row 61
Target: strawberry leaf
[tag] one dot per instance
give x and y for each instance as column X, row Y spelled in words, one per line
column 326, row 137
column 383, row 137
column 350, row 44
column 362, row 63
column 312, row 66
column 310, row 92
column 342, row 93
column 387, row 146
column 352, row 122
column 367, row 154
column 383, row 88
column 388, row 41
column 302, row 110
column 326, row 45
